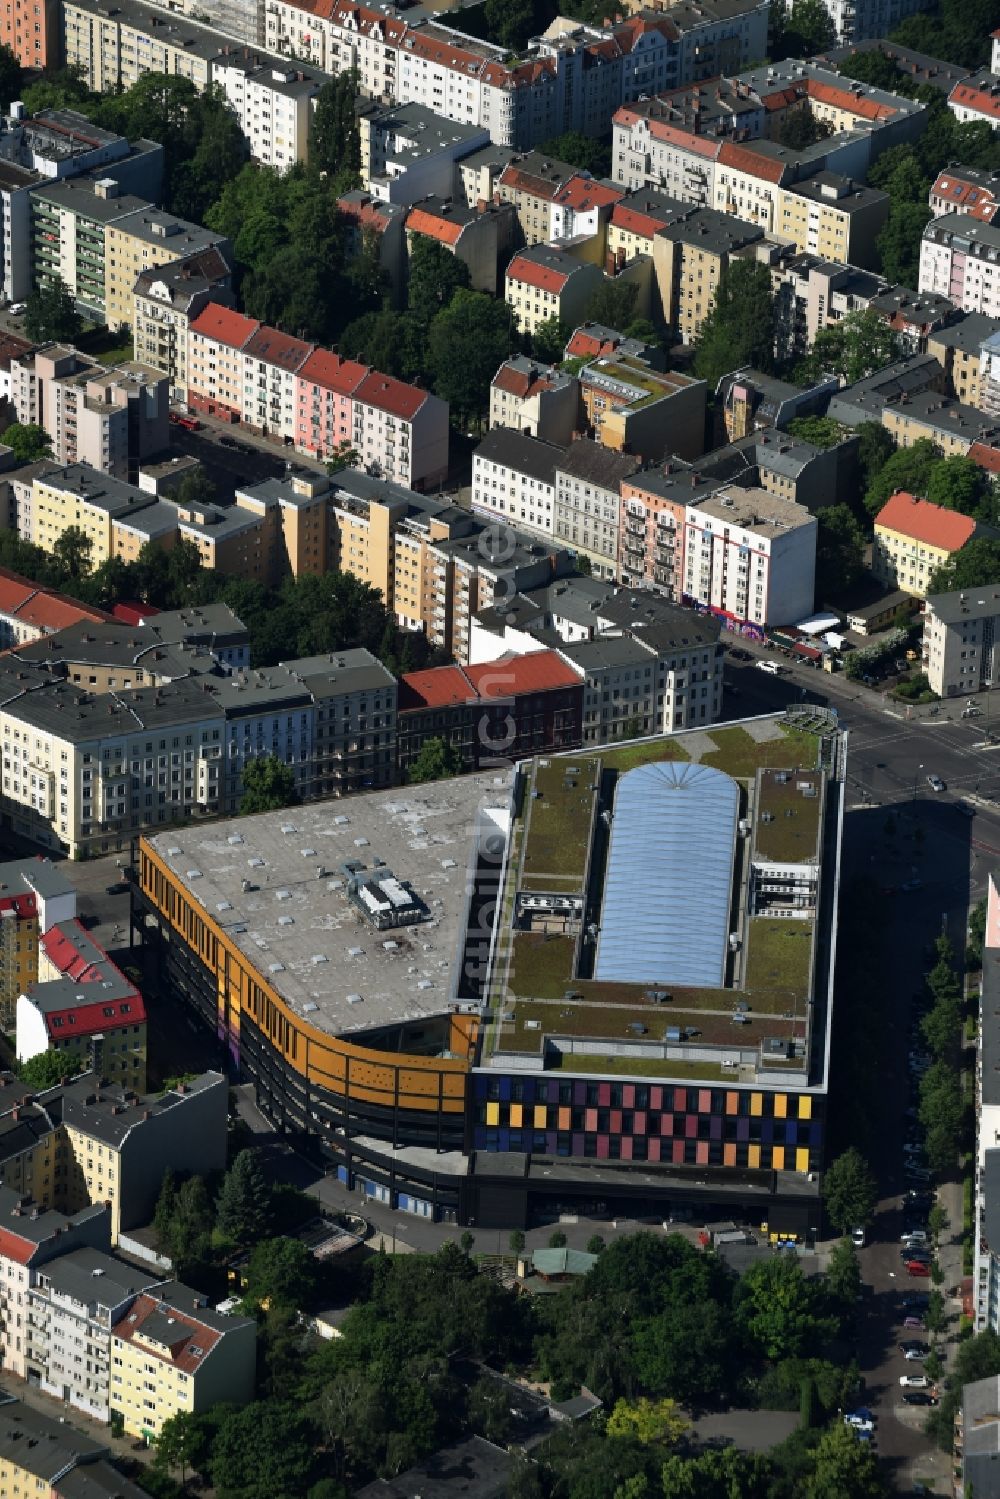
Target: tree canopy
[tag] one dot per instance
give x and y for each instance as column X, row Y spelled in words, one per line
column 268, row 785
column 48, row 1068
column 854, row 348
column 850, row 1191
column 739, row 327
column 51, row 313
column 438, row 759
column 27, row 441
column 975, row 565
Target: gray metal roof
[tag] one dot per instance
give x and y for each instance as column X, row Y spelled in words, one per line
column 666, row 895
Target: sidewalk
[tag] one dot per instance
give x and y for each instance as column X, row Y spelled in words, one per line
column 60, row 1410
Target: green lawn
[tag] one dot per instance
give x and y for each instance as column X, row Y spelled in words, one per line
column 107, row 347
column 794, row 833
column 741, row 756
column 558, row 836
column 540, row 967
column 778, row 955
column 648, row 752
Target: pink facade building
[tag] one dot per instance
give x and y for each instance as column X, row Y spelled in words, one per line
column 324, row 409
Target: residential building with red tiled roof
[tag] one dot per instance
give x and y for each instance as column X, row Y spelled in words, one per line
column 966, row 190
column 34, row 896
column 324, row 405
column 475, row 234
column 913, row 538
column 28, row 611
column 535, row 398
column 532, row 183
column 199, row 1358
column 511, row 707
column 271, row 362
column 400, row 431
column 215, row 361
column 545, row 282
column 977, row 98
column 84, row 1006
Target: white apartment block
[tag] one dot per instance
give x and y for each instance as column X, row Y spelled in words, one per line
column 73, row 1303
column 960, row 259
column 750, row 556
column 115, row 46
column 858, row 20
column 400, row 431
column 273, row 104
column 648, row 151
column 514, row 479
column 961, row 642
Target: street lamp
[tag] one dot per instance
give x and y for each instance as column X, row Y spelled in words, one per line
column 915, row 775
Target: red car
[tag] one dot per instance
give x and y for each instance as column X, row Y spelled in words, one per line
column 917, row 1267
column 189, row 423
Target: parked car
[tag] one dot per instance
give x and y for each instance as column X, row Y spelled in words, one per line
column 858, row 1237
column 854, row 1420
column 966, row 808
column 972, row 712
column 918, row 1354
column 918, row 1267
column 915, row 1381
column 16, row 308
column 738, row 654
column 916, row 1299
column 919, row 1397
column 914, row 1235
column 120, row 887
column 916, row 1324
column 228, row 442
column 189, row 423
column 771, row 667
column 936, row 783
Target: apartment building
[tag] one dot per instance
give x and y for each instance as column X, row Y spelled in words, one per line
column 271, row 360
column 960, row 650
column 751, row 401
column 966, row 190
column 749, row 556
column 867, row 400
column 241, row 370
column 78, row 495
column 170, row 1352
column 273, row 102
column 632, row 408
column 30, row 612
column 958, row 349
column 546, row 282
column 86, row 1143
column 355, row 721
column 73, row 1303
column 535, row 398
column 502, row 710
column 270, row 96
column 856, row 22
column 139, row 243
column 434, row 563
column 476, row 235
column 834, row 217
column 913, row 538
column 69, row 236
column 811, row 294
column 690, row 247
column 400, row 431
column 108, row 418
column 165, row 302
column 976, row 99
column 324, row 391
column 103, row 1027
column 952, row 427
column 987, row 387
column 587, row 502
column 960, row 259
column 39, row 1455
column 514, row 479
column 31, row 1236
column 654, row 669
column 532, row 183
column 34, row 896
column 409, row 152
column 294, row 516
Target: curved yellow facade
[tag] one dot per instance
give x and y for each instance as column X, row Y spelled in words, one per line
column 355, row 1073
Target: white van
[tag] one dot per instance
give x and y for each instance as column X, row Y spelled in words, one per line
column 771, row 667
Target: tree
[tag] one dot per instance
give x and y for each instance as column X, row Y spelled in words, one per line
column 596, row 1244
column 822, row 431
column 466, row 345
column 392, row 342
column 28, row 441
column 857, row 346
column 11, row 78
column 907, row 468
column 47, row 1069
column 343, row 456
column 549, row 340
column 850, row 1191
column 898, row 243
column 840, row 551
column 843, row 1275
column 71, row 555
column 435, row 276
column 613, row 304
column 959, row 484
column 800, row 129
column 268, row 785
column 557, row 1240
column 176, row 1444
column 875, row 447
column 739, row 327
column 510, row 23
column 809, row 28
column 334, row 139
column 51, row 313
column 516, row 1242
column 845, row 1468
column 942, row 1028
column 725, row 1474
column 264, row 1449
column 437, row 760
column 65, row 88
column 281, row 1272
column 243, row 1211
column 976, row 565
column 578, row 150
column 776, row 1308
column 647, row 1421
